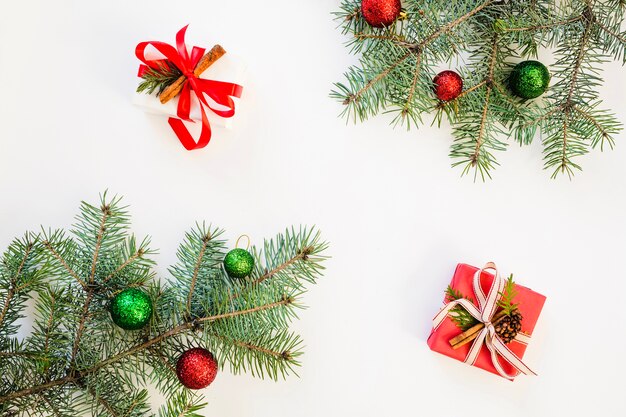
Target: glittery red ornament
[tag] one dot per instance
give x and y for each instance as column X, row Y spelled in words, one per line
column 196, row 368
column 380, row 13
column 448, row 85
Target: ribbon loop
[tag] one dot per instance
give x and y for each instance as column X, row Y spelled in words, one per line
column 220, row 92
column 487, row 306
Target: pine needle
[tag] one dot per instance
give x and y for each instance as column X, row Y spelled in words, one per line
column 158, row 79
column 507, row 297
column 458, row 314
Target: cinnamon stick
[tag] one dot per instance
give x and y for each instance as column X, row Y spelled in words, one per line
column 471, row 333
column 205, row 62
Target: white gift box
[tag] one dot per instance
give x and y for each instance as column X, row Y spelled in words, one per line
column 228, row 68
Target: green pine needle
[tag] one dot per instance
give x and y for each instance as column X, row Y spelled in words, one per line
column 481, row 40
column 77, row 362
column 507, row 297
column 158, row 79
column 458, row 314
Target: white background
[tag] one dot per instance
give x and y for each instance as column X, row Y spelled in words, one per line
column 398, row 217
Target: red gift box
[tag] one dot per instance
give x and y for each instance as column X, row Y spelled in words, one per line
column 530, row 305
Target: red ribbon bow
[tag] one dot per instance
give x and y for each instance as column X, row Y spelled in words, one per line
column 220, row 92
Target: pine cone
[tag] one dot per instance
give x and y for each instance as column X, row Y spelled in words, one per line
column 508, row 327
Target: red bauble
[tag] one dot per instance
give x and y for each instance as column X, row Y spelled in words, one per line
column 380, row 13
column 196, row 368
column 448, row 85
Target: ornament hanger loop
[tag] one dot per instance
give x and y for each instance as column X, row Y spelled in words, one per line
column 239, row 238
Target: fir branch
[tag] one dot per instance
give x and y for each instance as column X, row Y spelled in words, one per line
column 103, row 402
column 300, row 256
column 162, row 359
column 605, row 127
column 198, row 270
column 356, row 96
column 50, row 406
column 49, row 246
column 106, row 212
column 205, row 241
column 48, row 338
column 76, row 361
column 541, row 27
column 361, row 36
column 561, row 146
column 292, row 257
column 449, row 26
column 475, row 131
column 465, row 92
column 182, row 405
column 135, row 257
column 274, row 353
column 406, row 109
column 81, row 325
column 458, row 314
column 475, row 158
column 158, row 79
column 18, row 276
column 585, row 33
column 507, row 297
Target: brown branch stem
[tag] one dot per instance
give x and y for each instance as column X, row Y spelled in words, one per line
column 99, row 237
column 416, row 74
column 443, row 104
column 354, row 97
column 391, row 37
column 81, row 326
column 127, row 262
column 617, row 36
column 104, row 403
column 542, row 118
column 547, row 26
column 49, row 324
column 300, row 256
column 196, row 270
column 591, row 119
column 255, row 348
column 564, row 148
column 69, row 270
column 578, row 63
column 451, row 25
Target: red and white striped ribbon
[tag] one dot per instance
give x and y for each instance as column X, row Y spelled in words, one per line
column 487, row 305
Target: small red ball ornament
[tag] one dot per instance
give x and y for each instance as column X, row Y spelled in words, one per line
column 196, row 368
column 380, row 13
column 448, row 85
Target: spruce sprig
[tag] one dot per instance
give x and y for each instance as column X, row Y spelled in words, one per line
column 159, row 79
column 507, row 296
column 397, row 65
column 458, row 314
column 76, row 362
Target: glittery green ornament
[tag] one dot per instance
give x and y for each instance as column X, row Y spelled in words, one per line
column 529, row 79
column 131, row 309
column 238, row 263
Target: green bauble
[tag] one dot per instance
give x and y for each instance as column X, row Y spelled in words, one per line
column 238, row 263
column 529, row 79
column 131, row 309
